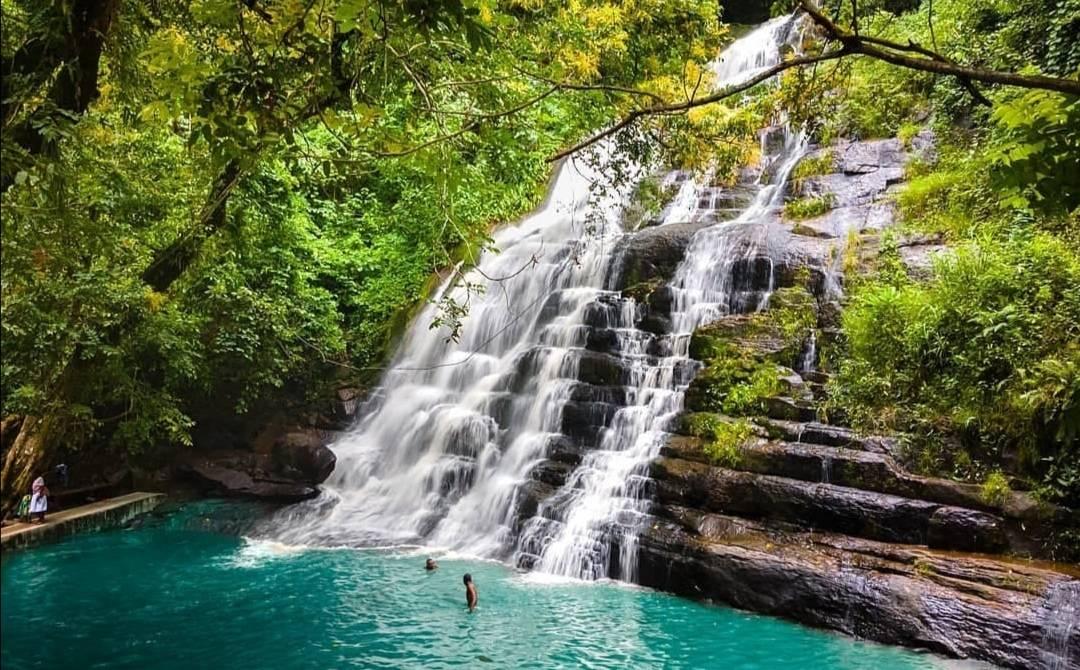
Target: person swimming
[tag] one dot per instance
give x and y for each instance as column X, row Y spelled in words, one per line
column 470, row 592
column 431, row 565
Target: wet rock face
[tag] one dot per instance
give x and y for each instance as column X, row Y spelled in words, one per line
column 285, row 466
column 958, row 606
column 966, row 530
column 652, row 253
column 851, row 511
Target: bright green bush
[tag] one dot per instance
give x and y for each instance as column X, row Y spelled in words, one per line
column 729, row 437
column 995, row 490
column 808, row 208
column 987, row 350
column 724, row 438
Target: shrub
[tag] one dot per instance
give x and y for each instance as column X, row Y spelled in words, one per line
column 987, row 350
column 808, row 208
column 995, row 490
column 729, row 437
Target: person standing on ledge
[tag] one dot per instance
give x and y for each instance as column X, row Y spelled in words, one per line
column 431, row 565
column 39, row 501
column 470, row 592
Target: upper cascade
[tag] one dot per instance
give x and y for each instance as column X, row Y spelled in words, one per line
column 553, row 360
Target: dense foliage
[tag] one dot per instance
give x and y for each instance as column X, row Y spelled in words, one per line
column 243, row 197
column 979, row 364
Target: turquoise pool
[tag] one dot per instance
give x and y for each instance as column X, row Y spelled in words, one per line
column 169, row 595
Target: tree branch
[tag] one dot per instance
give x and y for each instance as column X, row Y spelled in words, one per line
column 570, row 86
column 679, row 108
column 935, row 63
column 259, row 11
column 169, row 263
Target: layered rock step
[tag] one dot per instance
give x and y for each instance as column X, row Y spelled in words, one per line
column 857, row 489
column 1015, row 614
column 768, row 501
column 842, row 509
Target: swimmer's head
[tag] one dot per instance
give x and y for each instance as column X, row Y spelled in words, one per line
column 467, row 578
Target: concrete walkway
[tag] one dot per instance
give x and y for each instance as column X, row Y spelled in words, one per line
column 95, row 516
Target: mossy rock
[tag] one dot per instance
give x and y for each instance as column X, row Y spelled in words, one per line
column 733, row 336
column 736, row 385
column 641, row 291
column 776, row 334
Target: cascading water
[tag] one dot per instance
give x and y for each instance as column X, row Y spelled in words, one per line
column 455, row 426
column 444, row 450
column 1061, row 626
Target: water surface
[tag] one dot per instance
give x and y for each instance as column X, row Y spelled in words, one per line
column 170, row 595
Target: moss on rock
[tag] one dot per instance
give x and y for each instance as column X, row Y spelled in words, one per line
column 746, row 355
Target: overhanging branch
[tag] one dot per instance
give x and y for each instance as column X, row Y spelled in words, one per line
column 681, row 107
column 850, row 44
column 897, row 54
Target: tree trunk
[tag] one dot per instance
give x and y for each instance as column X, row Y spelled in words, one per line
column 169, row 263
column 77, row 54
column 25, row 459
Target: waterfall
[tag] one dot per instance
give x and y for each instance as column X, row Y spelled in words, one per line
column 454, row 427
column 808, row 356
column 1060, row 627
column 444, row 448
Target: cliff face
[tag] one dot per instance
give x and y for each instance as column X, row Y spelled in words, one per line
column 763, row 502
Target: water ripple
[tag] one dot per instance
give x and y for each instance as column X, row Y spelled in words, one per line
column 169, row 597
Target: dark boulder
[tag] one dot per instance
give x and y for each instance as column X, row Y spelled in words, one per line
column 225, row 481
column 552, row 472
column 305, row 451
column 346, row 402
column 283, row 465
column 602, row 369
column 649, row 254
column 585, row 420
column 787, row 409
column 529, row 497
